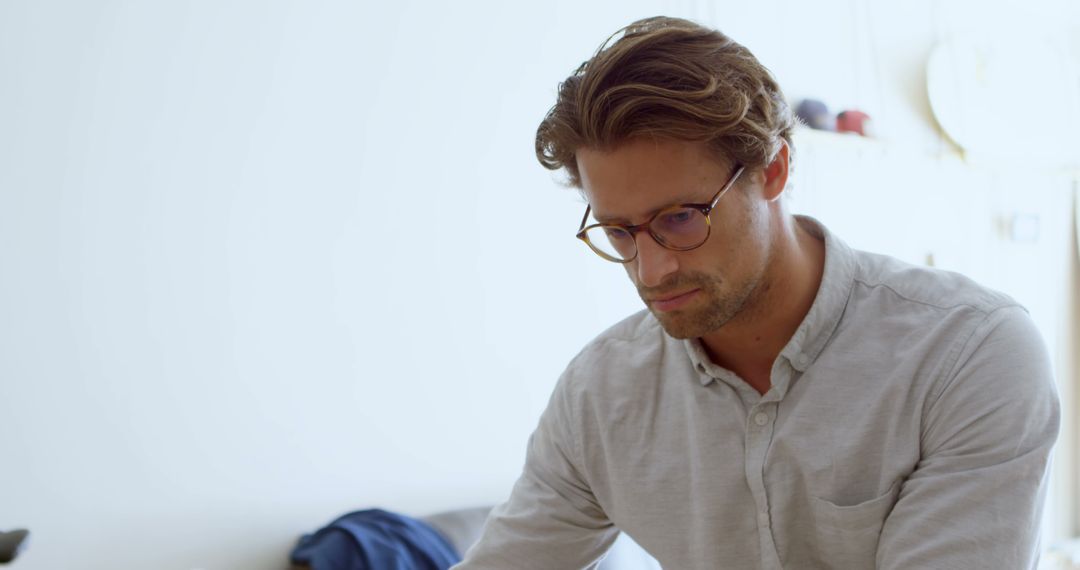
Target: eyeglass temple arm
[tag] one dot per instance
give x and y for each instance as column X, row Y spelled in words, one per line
column 585, row 218
column 727, row 186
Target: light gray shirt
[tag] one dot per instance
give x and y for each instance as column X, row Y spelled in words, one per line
column 909, row 425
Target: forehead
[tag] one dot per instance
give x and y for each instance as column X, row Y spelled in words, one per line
column 641, row 176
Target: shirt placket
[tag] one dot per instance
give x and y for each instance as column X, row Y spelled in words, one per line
column 760, row 422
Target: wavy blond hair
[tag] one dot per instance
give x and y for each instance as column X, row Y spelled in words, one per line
column 667, row 78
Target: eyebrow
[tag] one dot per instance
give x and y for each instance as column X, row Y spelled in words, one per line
column 624, row 221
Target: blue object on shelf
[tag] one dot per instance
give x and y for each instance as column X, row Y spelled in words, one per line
column 815, row 114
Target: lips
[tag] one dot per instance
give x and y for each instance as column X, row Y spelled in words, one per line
column 672, row 302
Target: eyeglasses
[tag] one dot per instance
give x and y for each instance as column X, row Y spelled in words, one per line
column 679, row 228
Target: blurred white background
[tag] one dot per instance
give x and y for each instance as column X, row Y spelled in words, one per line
column 262, row 263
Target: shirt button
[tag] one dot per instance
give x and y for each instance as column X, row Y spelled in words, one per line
column 761, row 418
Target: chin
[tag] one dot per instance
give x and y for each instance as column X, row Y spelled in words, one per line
column 696, row 323
column 680, row 326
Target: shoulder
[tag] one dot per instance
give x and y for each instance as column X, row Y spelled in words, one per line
column 988, row 343
column 898, row 313
column 638, row 329
column 634, row 338
column 622, row 359
column 935, row 289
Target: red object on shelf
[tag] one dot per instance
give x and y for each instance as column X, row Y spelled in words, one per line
column 853, row 122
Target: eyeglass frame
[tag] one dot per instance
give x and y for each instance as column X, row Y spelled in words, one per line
column 705, row 208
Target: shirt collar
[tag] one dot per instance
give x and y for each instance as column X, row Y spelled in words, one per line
column 817, row 327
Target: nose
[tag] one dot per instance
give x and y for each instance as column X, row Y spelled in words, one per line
column 654, row 262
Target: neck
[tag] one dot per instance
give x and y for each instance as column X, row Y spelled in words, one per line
column 749, row 344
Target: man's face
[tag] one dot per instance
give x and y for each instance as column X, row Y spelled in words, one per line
column 691, row 292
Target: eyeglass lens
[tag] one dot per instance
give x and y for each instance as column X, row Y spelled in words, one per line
column 677, row 228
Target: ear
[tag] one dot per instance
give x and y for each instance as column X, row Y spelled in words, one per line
column 776, row 173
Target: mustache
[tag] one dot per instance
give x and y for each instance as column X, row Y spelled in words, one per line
column 677, row 283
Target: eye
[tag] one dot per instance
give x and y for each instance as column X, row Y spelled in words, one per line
column 678, row 217
column 614, row 233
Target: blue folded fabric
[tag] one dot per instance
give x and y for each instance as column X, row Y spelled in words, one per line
column 375, row 540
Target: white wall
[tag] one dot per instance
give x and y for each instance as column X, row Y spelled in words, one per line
column 262, row 263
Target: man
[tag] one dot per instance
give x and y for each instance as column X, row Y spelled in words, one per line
column 785, row 401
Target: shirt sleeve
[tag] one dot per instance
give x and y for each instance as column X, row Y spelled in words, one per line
column 975, row 498
column 552, row 519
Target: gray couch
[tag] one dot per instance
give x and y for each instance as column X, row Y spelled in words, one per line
column 462, row 528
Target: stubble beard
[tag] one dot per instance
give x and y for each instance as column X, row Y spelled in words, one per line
column 716, row 309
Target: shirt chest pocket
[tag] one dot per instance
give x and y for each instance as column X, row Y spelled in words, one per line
column 846, row 537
